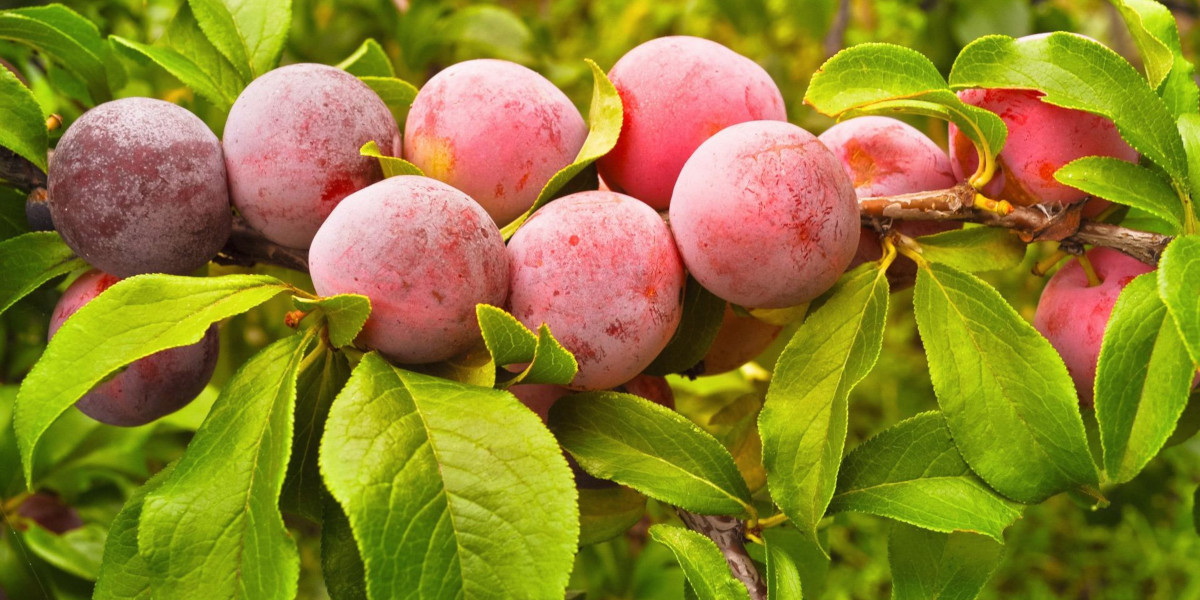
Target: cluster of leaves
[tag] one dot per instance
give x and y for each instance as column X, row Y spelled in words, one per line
column 415, row 493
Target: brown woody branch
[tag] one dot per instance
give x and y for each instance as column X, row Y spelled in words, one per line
column 730, row 536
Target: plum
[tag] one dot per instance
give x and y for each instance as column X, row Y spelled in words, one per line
column 539, row 397
column 601, row 270
column 149, row 388
column 292, row 148
column 424, row 253
column 678, row 91
column 137, row 185
column 1042, row 138
column 1073, row 316
column 765, row 216
column 495, row 130
column 50, row 512
column 739, row 340
column 651, row 387
column 887, row 157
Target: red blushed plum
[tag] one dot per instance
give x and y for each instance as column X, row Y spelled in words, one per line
column 764, row 215
column 539, row 397
column 739, row 340
column 495, row 130
column 137, row 185
column 291, row 147
column 1042, row 138
column 679, row 91
column 651, row 387
column 149, row 388
column 424, row 253
column 601, row 270
column 1073, row 316
column 886, row 157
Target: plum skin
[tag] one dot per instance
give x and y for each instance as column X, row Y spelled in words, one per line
column 539, row 397
column 1074, row 316
column 149, row 388
column 601, row 270
column 764, row 215
column 495, row 130
column 677, row 92
column 739, row 340
column 887, row 157
column 292, row 148
column 137, row 185
column 424, row 253
column 1042, row 138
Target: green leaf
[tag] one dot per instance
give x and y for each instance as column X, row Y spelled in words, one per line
column 1125, row 183
column 803, row 422
column 511, row 343
column 463, row 493
column 881, row 78
column 651, row 449
column 605, row 118
column 345, row 315
column 392, row 166
column 974, row 249
column 341, row 565
column 605, row 513
column 250, row 33
column 397, row 94
column 702, row 563
column 1077, row 72
column 928, row 564
column 213, row 528
column 473, row 367
column 488, row 31
column 27, row 261
column 1189, row 130
column 1153, row 29
column 976, row 19
column 368, row 61
column 124, row 574
column 783, row 567
column 317, row 385
column 135, row 318
column 65, row 37
column 702, row 316
column 1179, row 288
column 912, row 472
column 1143, row 380
column 23, row 129
column 996, row 378
column 77, row 551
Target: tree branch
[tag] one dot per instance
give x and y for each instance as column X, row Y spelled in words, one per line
column 247, row 247
column 729, row 535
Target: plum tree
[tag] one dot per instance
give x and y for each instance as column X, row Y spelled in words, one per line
column 1073, row 315
column 601, row 270
column 679, row 91
column 495, row 130
column 150, row 387
column 137, row 185
column 738, row 341
column 764, row 216
column 292, row 148
column 424, row 253
column 1042, row 138
column 887, row 157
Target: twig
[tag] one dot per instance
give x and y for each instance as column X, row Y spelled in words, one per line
column 729, row 535
column 247, row 247
column 836, row 36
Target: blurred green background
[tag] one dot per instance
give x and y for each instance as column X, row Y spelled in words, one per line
column 1142, row 546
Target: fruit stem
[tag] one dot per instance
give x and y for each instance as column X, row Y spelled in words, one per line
column 1093, row 279
column 772, row 521
column 910, row 248
column 1043, row 266
column 1000, row 207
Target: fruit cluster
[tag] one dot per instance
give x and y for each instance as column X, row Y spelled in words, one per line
column 761, row 212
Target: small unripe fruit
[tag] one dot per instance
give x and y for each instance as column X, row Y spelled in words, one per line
column 600, row 269
column 495, row 130
column 677, row 92
column 149, row 388
column 424, row 253
column 292, row 145
column 137, row 185
column 765, row 216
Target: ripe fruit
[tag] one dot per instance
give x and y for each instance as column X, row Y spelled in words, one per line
column 679, row 91
column 137, row 185
column 886, row 157
column 291, row 147
column 50, row 512
column 424, row 253
column 601, row 270
column 495, row 130
column 1041, row 139
column 651, row 387
column 764, row 215
column 149, row 388
column 1073, row 316
column 739, row 340
column 539, row 397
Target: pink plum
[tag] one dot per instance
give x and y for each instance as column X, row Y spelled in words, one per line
column 739, row 340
